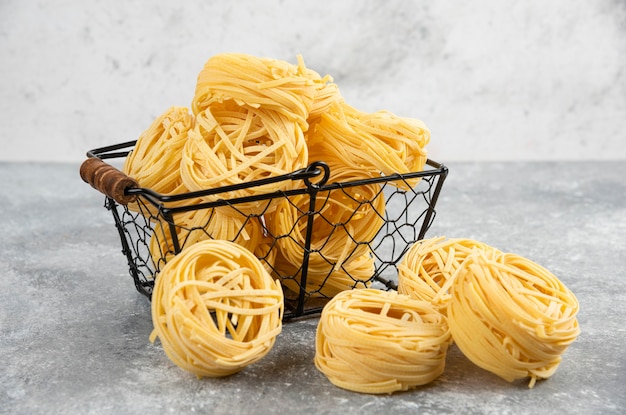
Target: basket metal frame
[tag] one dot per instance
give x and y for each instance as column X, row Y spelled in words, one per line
column 315, row 180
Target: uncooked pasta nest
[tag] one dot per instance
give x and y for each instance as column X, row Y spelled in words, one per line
column 354, row 273
column 155, row 159
column 154, row 162
column 197, row 225
column 233, row 145
column 346, row 220
column 251, row 115
column 369, row 144
column 375, row 341
column 506, row 313
column 511, row 316
column 292, row 91
column 215, row 309
column 429, row 264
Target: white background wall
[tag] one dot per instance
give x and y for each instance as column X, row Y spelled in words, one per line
column 493, row 79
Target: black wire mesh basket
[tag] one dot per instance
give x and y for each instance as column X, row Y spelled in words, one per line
column 317, row 237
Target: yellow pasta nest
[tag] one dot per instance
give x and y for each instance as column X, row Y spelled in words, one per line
column 234, row 145
column 155, row 159
column 215, row 309
column 429, row 266
column 511, row 316
column 291, row 91
column 201, row 224
column 354, row 273
column 374, row 341
column 154, row 162
column 369, row 144
column 345, row 220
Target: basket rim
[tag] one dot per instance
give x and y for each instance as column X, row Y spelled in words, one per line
column 315, row 180
column 316, row 169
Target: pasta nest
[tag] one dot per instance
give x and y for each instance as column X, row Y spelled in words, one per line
column 214, row 223
column 215, row 309
column 155, row 160
column 375, row 341
column 429, row 266
column 327, row 282
column 369, row 144
column 291, row 91
column 345, row 221
column 511, row 316
column 235, row 145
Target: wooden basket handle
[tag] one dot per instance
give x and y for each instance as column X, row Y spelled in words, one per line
column 108, row 180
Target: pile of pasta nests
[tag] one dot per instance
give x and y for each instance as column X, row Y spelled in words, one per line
column 216, row 308
column 255, row 118
column 507, row 314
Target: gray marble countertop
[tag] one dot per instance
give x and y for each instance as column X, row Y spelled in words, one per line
column 74, row 332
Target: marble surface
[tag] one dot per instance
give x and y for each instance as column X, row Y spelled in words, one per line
column 533, row 80
column 74, row 332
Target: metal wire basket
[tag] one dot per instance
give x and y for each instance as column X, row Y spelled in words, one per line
column 152, row 228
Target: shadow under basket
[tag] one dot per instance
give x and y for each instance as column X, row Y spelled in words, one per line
column 317, row 236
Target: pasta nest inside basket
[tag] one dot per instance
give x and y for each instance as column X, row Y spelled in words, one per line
column 235, row 145
column 345, row 221
column 214, row 223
